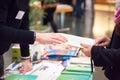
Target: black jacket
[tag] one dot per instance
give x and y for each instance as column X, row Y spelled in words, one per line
column 14, row 26
column 109, row 58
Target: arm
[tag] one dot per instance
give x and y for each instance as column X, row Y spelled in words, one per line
column 10, row 33
column 104, row 57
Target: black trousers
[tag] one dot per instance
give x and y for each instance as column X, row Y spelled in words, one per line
column 49, row 18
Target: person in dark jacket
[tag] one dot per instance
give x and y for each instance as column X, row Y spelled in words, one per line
column 106, row 52
column 78, row 8
column 49, row 8
column 14, row 28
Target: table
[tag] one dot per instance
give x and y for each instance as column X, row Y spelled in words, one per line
column 61, row 8
column 78, row 68
column 54, row 72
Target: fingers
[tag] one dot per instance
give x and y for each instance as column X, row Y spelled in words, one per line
column 59, row 38
column 25, row 69
column 86, row 49
column 56, row 38
column 26, row 66
column 50, row 38
column 84, row 45
column 98, row 41
column 55, row 41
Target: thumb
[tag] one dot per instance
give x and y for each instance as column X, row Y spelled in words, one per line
column 84, row 45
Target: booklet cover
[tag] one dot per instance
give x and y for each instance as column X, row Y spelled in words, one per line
column 21, row 77
column 61, row 50
column 76, row 73
column 55, row 52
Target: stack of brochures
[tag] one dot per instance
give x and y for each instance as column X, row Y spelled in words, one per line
column 21, row 77
column 56, row 52
column 60, row 51
column 76, row 73
column 79, row 68
column 47, row 71
column 44, row 70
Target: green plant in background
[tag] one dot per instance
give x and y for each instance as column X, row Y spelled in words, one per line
column 35, row 16
column 35, row 19
column 31, row 1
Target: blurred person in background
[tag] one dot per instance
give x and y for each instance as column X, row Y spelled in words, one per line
column 49, row 7
column 78, row 9
column 69, row 2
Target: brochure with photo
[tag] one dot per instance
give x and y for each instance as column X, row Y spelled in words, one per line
column 21, row 77
column 61, row 50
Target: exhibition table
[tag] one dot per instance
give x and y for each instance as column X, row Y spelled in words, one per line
column 74, row 68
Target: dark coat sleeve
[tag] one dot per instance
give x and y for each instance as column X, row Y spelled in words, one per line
column 105, row 57
column 12, row 33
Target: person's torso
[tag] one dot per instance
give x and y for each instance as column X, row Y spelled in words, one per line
column 113, row 72
column 16, row 12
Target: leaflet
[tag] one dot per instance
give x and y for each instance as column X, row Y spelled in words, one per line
column 76, row 40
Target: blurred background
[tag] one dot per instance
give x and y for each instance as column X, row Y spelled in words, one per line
column 94, row 19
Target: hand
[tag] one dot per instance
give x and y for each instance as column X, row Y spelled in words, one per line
column 86, row 49
column 26, row 66
column 50, row 38
column 102, row 41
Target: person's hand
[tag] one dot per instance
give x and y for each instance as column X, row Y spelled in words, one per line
column 26, row 66
column 102, row 41
column 86, row 49
column 50, row 38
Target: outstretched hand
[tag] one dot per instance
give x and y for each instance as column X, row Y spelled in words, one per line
column 50, row 38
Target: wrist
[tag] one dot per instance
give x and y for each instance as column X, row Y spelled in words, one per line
column 26, row 58
column 37, row 37
column 26, row 61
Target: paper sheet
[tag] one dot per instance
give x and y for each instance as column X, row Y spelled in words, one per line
column 76, row 40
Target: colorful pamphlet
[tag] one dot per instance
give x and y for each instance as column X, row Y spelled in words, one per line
column 61, row 50
column 21, row 77
column 76, row 73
